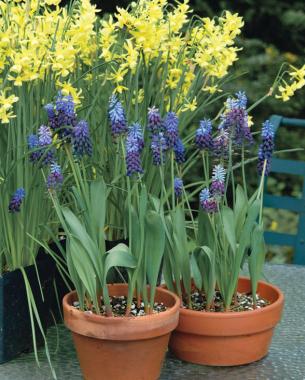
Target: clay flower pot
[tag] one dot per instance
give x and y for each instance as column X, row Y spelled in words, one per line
column 118, row 348
column 228, row 338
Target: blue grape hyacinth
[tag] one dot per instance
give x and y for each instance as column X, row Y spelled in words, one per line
column 61, row 115
column 33, row 144
column 266, row 148
column 179, row 151
column 154, row 121
column 16, row 200
column 208, row 202
column 81, row 141
column 133, row 158
column 135, row 130
column 158, row 148
column 218, row 181
column 178, row 187
column 203, row 136
column 117, row 117
column 46, row 152
column 235, row 120
column 221, row 145
column 170, row 124
column 55, row 177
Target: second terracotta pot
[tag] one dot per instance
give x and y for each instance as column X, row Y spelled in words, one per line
column 122, row 348
column 228, row 338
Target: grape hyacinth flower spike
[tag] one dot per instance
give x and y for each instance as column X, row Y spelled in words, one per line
column 66, row 116
column 207, row 202
column 221, row 145
column 61, row 115
column 154, row 121
column 158, row 148
column 178, row 187
column 16, row 200
column 135, row 130
column 179, row 151
column 81, row 141
column 266, row 148
column 33, row 144
column 171, row 129
column 133, row 159
column 45, row 143
column 235, row 120
column 217, row 188
column 117, row 117
column 55, row 177
column 203, row 136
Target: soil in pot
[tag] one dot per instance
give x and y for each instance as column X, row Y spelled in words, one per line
column 241, row 302
column 118, row 305
column 228, row 338
column 122, row 348
column 15, row 323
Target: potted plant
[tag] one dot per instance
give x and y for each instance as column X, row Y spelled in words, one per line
column 226, row 319
column 134, row 319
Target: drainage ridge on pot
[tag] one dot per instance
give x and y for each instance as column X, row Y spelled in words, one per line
column 122, row 347
column 228, row 338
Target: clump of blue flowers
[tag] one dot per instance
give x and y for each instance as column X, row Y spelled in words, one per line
column 235, row 120
column 16, row 200
column 61, row 115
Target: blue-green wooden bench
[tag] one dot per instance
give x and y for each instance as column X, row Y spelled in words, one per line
column 296, row 205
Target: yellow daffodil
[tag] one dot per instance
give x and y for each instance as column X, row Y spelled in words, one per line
column 190, row 105
column 6, row 107
column 295, row 82
column 68, row 89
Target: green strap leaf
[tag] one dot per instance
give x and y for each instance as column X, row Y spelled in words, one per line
column 229, row 226
column 154, row 248
column 118, row 256
column 257, row 257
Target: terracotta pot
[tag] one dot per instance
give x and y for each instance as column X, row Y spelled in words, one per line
column 228, row 338
column 115, row 348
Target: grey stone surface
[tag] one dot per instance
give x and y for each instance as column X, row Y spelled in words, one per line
column 286, row 359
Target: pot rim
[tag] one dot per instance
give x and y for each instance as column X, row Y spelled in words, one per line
column 241, row 314
column 122, row 328
column 95, row 317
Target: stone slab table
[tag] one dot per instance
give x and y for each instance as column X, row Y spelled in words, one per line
column 286, row 359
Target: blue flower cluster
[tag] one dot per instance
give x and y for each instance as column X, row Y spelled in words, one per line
column 203, row 136
column 61, row 115
column 210, row 197
column 266, row 148
column 81, row 141
column 178, row 187
column 133, row 155
column 16, row 200
column 235, row 120
column 117, row 117
column 62, row 122
column 55, row 177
